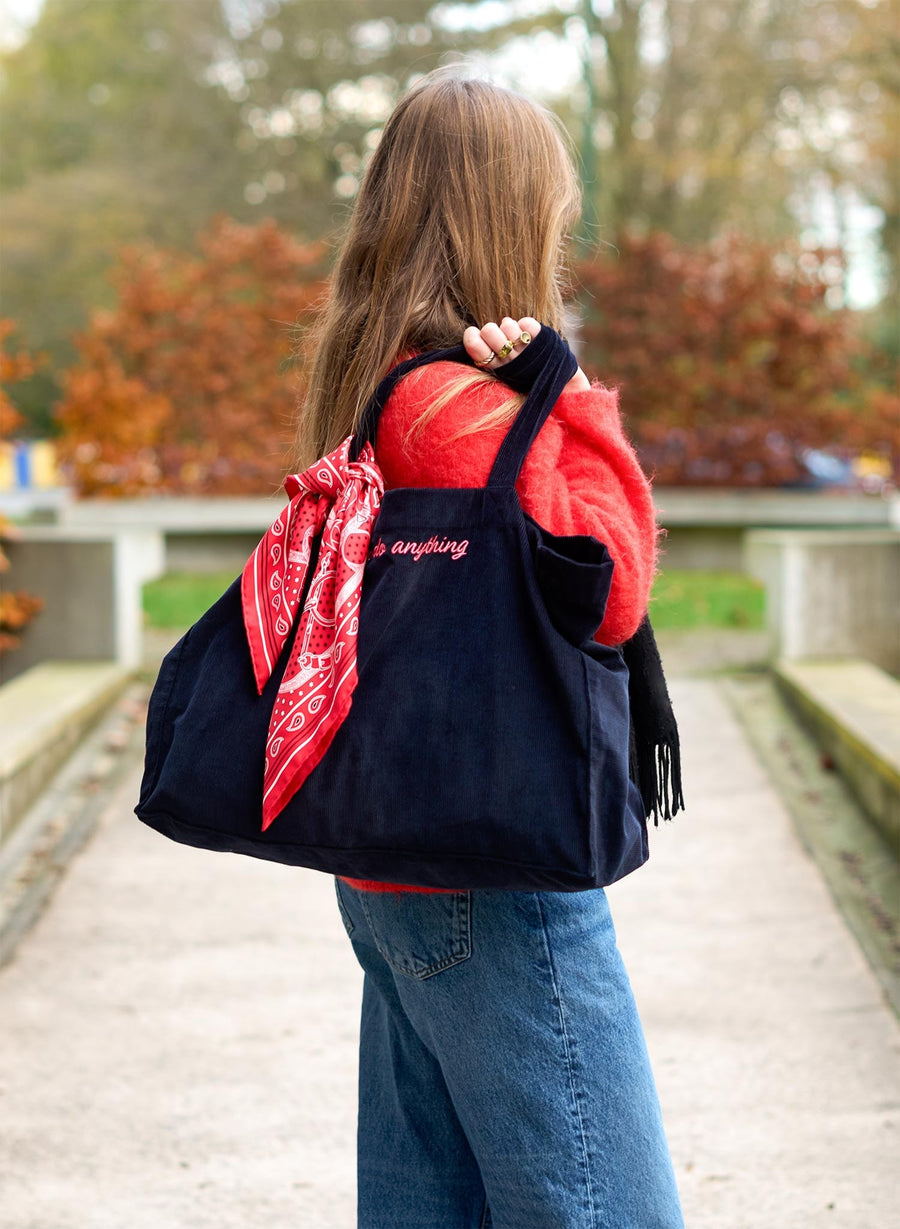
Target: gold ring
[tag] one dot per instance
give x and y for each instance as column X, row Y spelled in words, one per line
column 524, row 339
column 485, row 362
column 506, row 350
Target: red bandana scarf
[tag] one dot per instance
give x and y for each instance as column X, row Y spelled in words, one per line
column 340, row 498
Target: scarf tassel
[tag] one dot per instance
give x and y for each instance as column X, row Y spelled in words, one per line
column 654, row 747
column 657, row 774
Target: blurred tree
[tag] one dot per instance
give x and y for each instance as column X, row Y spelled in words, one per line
column 182, row 385
column 125, row 86
column 14, row 367
column 110, row 132
column 17, row 608
column 730, row 363
column 864, row 151
column 706, row 115
column 140, row 119
column 314, row 83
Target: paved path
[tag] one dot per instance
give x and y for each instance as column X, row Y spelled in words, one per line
column 178, row 1033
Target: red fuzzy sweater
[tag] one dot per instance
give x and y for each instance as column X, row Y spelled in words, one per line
column 580, row 476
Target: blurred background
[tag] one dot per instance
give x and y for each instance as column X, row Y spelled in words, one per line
column 174, row 177
column 738, row 266
column 174, row 174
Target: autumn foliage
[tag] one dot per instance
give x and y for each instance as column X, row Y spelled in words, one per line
column 13, row 367
column 17, row 609
column 729, row 362
column 183, row 387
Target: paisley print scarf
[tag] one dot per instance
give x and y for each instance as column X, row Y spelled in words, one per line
column 341, row 499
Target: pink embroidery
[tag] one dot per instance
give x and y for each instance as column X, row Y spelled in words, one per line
column 433, row 546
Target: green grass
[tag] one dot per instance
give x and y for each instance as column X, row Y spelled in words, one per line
column 178, row 599
column 686, row 599
column 680, row 599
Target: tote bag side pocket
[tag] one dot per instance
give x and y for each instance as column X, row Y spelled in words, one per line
column 574, row 574
column 621, row 830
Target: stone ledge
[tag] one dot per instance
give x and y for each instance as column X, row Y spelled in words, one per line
column 44, row 714
column 853, row 709
column 830, row 594
column 745, row 507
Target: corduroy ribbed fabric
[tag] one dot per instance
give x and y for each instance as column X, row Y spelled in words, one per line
column 581, row 476
column 484, row 704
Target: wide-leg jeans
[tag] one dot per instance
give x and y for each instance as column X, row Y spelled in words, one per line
column 503, row 1077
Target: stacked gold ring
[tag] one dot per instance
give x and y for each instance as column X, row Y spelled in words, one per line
column 505, row 350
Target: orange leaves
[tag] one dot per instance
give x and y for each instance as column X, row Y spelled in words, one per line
column 13, row 367
column 182, row 388
column 731, row 363
column 10, row 418
column 16, row 612
column 16, row 609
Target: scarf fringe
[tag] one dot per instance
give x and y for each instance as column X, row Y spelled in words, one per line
column 654, row 750
column 657, row 773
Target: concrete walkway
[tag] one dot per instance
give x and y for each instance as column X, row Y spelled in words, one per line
column 178, row 1033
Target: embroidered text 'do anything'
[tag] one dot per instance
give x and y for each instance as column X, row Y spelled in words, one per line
column 433, row 546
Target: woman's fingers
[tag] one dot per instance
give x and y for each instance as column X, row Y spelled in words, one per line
column 478, row 349
column 486, row 346
column 495, row 344
column 502, row 339
column 494, row 337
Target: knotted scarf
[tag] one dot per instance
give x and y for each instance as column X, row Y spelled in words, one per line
column 340, row 499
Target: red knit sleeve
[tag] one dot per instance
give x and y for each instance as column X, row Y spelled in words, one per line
column 580, row 476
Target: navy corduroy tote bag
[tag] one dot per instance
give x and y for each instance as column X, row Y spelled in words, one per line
column 487, row 744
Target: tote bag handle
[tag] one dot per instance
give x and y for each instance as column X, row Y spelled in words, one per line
column 548, row 353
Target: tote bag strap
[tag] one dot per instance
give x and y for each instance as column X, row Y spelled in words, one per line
column 368, row 423
column 557, row 370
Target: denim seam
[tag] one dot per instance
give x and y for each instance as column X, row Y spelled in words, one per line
column 569, row 1065
column 460, row 938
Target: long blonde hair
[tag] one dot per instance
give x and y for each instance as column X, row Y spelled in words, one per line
column 462, row 217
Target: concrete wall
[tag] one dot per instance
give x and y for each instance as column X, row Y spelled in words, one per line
column 830, row 593
column 200, row 535
column 90, row 582
column 704, row 528
column 710, row 548
column 743, row 508
column 177, row 514
column 206, row 552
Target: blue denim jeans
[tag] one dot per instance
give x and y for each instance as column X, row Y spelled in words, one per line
column 503, row 1075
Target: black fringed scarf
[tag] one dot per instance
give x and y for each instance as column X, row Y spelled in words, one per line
column 655, row 752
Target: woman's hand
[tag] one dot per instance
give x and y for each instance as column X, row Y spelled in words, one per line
column 489, row 340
